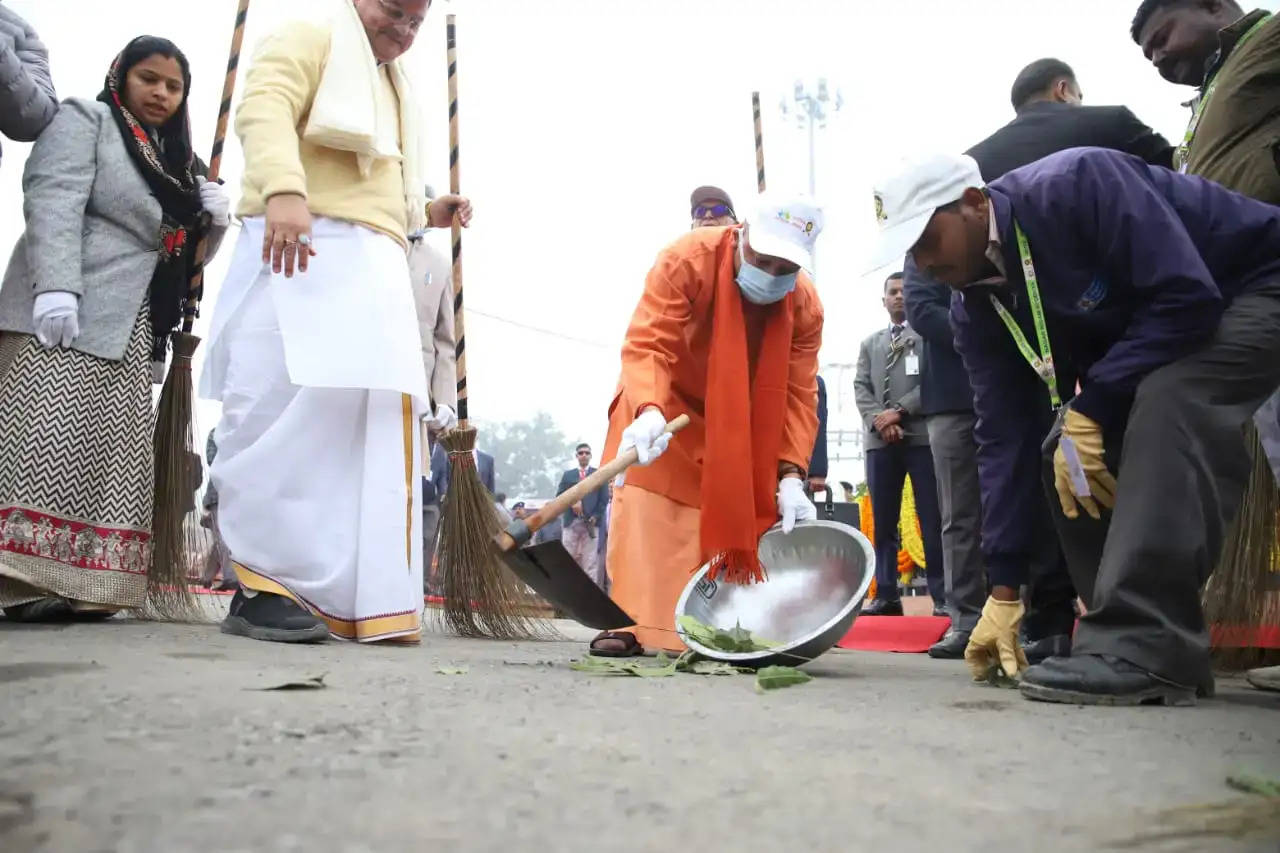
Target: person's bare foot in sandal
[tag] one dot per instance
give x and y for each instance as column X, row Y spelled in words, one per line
column 616, row 644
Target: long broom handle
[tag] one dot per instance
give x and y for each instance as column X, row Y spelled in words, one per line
column 755, row 109
column 191, row 308
column 455, row 187
column 599, row 479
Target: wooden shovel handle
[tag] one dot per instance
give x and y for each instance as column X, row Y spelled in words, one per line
column 600, row 478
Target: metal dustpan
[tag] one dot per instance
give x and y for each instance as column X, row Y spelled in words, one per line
column 550, row 570
column 553, row 573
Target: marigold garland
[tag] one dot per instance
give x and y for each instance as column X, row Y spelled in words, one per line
column 911, row 535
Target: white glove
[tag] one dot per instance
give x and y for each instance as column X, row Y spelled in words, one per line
column 216, row 202
column 793, row 504
column 444, row 419
column 648, row 435
column 56, row 318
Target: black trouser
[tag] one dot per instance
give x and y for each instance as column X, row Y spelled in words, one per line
column 887, row 469
column 1182, row 467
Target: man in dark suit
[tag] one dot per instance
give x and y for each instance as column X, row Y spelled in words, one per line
column 887, row 388
column 582, row 522
column 1050, row 118
column 440, row 470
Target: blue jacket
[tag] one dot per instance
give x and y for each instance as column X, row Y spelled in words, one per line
column 1136, row 265
column 592, row 505
column 944, row 384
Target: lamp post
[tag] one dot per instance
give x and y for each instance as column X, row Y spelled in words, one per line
column 812, row 108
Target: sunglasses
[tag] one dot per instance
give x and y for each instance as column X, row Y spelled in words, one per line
column 712, row 211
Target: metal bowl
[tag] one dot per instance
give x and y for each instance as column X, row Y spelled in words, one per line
column 818, row 576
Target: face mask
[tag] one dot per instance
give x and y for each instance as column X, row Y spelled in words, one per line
column 760, row 287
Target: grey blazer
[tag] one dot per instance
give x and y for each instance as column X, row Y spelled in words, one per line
column 93, row 229
column 904, row 390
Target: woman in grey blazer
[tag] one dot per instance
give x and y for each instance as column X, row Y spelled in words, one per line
column 115, row 205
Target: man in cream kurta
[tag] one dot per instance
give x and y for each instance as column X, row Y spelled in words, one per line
column 314, row 352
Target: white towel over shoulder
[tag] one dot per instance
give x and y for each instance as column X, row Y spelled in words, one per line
column 345, row 113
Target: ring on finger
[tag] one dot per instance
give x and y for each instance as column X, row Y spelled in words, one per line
column 304, row 239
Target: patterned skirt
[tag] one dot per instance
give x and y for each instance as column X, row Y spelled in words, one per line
column 76, row 471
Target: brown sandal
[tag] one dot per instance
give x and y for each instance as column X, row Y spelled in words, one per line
column 632, row 645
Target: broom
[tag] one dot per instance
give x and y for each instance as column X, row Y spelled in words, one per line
column 481, row 597
column 174, row 544
column 755, row 109
column 1241, row 593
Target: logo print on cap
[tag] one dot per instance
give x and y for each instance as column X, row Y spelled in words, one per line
column 881, row 216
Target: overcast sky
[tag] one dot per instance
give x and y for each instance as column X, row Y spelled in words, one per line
column 586, row 124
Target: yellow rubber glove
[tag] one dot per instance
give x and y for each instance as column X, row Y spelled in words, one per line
column 995, row 641
column 1087, row 437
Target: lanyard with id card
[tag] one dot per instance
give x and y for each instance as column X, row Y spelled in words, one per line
column 1041, row 362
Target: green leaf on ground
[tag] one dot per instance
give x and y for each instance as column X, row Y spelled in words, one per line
column 1254, row 785
column 711, row 667
column 452, row 670
column 777, row 677
column 624, row 667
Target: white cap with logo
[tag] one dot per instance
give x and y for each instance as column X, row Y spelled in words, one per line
column 907, row 199
column 785, row 229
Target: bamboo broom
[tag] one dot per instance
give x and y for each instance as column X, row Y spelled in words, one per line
column 482, row 598
column 755, row 109
column 1240, row 592
column 173, row 550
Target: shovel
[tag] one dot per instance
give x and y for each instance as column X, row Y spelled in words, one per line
column 551, row 571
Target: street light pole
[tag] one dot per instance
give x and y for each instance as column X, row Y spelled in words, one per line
column 812, row 107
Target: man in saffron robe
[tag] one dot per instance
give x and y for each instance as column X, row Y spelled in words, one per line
column 727, row 331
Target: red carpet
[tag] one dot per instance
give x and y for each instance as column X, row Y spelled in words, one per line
column 909, row 634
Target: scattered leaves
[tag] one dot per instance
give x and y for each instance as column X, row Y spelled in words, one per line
column 735, row 641
column 314, row 683
column 452, row 670
column 777, row 677
column 711, row 667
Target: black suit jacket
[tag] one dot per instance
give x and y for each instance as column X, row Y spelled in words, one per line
column 592, row 505
column 1039, row 130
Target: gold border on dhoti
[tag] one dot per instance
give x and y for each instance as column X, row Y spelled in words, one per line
column 400, row 628
column 406, row 410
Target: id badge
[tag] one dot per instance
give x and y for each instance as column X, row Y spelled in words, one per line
column 913, row 364
column 1075, row 470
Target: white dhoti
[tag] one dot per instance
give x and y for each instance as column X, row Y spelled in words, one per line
column 317, row 471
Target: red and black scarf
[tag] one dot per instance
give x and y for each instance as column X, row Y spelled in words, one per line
column 165, row 159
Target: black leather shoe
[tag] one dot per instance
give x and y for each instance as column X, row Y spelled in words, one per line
column 1100, row 680
column 883, row 607
column 273, row 618
column 939, row 610
column 1053, row 646
column 951, row 646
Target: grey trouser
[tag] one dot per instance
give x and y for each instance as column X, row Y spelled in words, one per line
column 955, row 464
column 1182, row 469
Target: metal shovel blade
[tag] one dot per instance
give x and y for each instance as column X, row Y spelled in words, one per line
column 556, row 576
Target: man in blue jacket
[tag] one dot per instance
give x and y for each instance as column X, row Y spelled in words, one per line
column 1160, row 294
